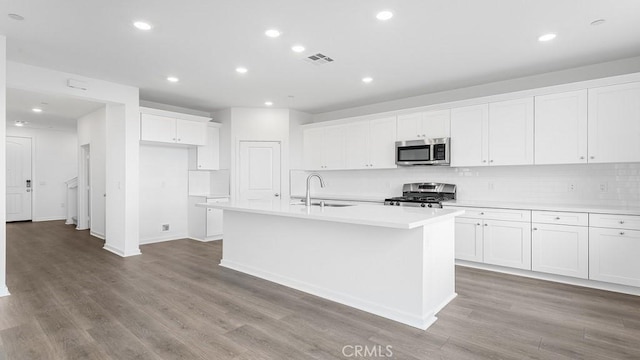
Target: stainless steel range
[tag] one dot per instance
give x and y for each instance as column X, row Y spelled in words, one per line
column 424, row 195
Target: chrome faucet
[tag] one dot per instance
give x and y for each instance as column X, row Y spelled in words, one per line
column 307, row 200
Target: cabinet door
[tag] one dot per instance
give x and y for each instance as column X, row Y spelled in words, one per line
column 469, row 135
column 560, row 249
column 214, row 220
column 333, row 147
column 561, row 128
column 208, row 155
column 469, row 239
column 356, row 148
column 436, row 124
column 191, row 132
column 157, row 128
column 614, row 123
column 507, row 243
column 409, row 127
column 313, row 148
column 613, row 256
column 511, row 132
column 382, row 142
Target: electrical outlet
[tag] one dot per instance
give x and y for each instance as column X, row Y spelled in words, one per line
column 604, row 187
column 571, row 187
column 165, row 227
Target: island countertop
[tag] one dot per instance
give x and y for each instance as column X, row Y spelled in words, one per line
column 374, row 215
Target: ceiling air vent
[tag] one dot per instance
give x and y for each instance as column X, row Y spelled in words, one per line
column 318, row 59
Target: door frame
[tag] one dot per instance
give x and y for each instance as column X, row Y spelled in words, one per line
column 33, row 170
column 84, row 189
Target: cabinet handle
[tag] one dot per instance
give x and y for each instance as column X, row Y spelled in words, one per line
column 621, row 221
column 486, row 224
column 481, row 213
column 535, row 228
column 557, row 217
column 371, row 165
column 478, row 224
column 581, row 157
column 592, row 157
column 174, row 139
column 179, row 139
column 484, row 161
column 621, row 232
column 490, row 160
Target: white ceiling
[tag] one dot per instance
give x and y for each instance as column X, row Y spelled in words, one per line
column 428, row 46
column 58, row 112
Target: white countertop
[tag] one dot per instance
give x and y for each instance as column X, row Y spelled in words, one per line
column 211, row 196
column 374, row 215
column 618, row 210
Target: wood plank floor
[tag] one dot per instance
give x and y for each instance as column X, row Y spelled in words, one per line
column 72, row 300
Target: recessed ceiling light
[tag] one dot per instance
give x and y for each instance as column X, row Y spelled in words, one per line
column 272, row 33
column 142, row 25
column 367, row 80
column 547, row 37
column 16, row 17
column 298, row 48
column 241, row 70
column 172, row 79
column 268, row 103
column 20, row 123
column 598, row 22
column 37, row 110
column 384, row 15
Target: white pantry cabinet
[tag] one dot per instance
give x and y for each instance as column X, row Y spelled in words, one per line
column 421, row 125
column 165, row 129
column 614, row 123
column 560, row 243
column 370, row 144
column 561, row 128
column 324, row 148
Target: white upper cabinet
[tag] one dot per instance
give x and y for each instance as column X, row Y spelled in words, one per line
column 511, row 132
column 324, row 148
column 469, row 145
column 561, row 128
column 357, row 147
column 421, row 125
column 614, row 123
column 207, row 157
column 382, row 136
column 169, row 129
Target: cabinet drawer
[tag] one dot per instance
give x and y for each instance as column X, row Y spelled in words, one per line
column 494, row 214
column 631, row 222
column 560, row 217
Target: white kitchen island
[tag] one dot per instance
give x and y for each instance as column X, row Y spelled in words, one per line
column 395, row 262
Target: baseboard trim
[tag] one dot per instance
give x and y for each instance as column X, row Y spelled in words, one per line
column 209, row 239
column 119, row 252
column 98, row 235
column 4, row 291
column 162, row 239
column 49, row 218
column 393, row 314
column 554, row 278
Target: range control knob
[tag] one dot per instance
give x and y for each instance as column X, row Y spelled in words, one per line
column 423, row 205
column 397, row 203
column 430, row 205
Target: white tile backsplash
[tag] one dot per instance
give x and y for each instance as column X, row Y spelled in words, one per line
column 540, row 183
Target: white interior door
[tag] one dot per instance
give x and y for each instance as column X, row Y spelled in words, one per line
column 259, row 170
column 19, row 184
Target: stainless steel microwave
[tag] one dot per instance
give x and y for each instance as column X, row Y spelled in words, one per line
column 423, row 152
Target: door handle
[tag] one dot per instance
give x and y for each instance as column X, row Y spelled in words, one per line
column 28, row 184
column 276, row 195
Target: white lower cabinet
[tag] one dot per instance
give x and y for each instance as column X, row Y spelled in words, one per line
column 560, row 249
column 614, row 251
column 507, row 243
column 468, row 239
column 214, row 219
column 205, row 224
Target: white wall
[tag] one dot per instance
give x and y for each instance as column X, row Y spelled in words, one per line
column 92, row 131
column 296, row 120
column 122, row 134
column 613, row 68
column 163, row 192
column 540, row 183
column 55, row 160
column 3, row 166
